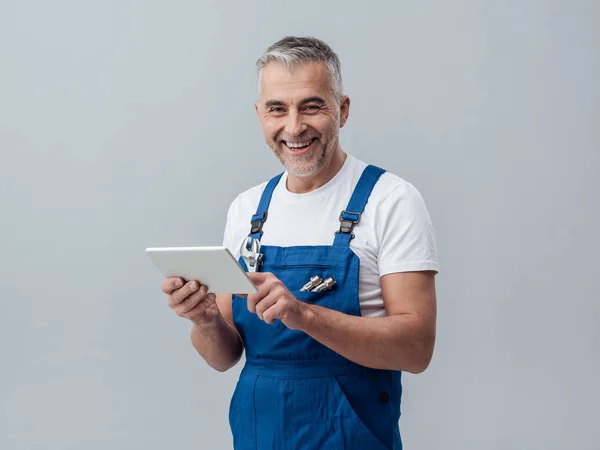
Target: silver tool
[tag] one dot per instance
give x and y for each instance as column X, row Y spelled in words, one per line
column 251, row 253
column 314, row 281
column 325, row 285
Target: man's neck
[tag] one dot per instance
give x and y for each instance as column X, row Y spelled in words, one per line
column 302, row 185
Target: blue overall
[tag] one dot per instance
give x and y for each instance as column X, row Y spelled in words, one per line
column 293, row 392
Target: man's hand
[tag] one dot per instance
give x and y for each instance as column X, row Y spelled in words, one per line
column 191, row 300
column 274, row 301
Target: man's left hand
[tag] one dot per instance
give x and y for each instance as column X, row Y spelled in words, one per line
column 274, row 301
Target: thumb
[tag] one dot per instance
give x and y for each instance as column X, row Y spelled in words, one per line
column 257, row 277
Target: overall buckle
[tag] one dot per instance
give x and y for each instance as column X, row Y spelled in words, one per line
column 257, row 222
column 348, row 221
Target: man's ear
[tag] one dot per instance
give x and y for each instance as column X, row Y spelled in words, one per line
column 344, row 110
column 257, row 107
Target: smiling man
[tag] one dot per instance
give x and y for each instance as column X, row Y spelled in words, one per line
column 346, row 293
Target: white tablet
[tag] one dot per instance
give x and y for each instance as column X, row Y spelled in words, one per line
column 214, row 267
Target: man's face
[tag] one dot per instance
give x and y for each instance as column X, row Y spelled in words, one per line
column 299, row 116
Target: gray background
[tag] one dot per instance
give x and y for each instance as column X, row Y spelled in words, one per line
column 127, row 124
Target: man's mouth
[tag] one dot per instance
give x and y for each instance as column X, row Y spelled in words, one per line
column 300, row 145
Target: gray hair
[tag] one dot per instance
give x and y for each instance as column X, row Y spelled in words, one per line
column 293, row 51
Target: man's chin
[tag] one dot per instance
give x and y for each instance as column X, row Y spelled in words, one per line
column 303, row 173
column 301, row 166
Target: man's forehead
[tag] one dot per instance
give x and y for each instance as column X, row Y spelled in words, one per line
column 304, row 80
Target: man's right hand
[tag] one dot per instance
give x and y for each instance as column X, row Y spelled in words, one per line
column 191, row 300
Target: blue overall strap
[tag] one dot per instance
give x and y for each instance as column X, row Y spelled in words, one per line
column 260, row 217
column 351, row 216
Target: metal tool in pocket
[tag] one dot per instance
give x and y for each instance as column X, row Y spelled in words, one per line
column 325, row 285
column 314, row 282
column 251, row 253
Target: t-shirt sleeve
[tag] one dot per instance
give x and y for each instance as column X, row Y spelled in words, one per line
column 405, row 233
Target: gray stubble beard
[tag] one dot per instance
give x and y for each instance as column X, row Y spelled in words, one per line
column 311, row 170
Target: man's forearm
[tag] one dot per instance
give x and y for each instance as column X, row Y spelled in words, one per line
column 218, row 343
column 398, row 342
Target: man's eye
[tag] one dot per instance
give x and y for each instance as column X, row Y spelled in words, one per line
column 312, row 107
column 276, row 109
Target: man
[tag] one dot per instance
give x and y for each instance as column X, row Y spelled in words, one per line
column 323, row 366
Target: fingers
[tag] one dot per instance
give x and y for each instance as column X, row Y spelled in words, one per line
column 191, row 301
column 188, row 289
column 170, row 284
column 265, row 282
column 274, row 312
column 259, row 278
column 262, row 302
column 195, row 303
column 265, row 304
column 254, row 299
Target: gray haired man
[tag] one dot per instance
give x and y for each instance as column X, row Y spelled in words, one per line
column 346, row 296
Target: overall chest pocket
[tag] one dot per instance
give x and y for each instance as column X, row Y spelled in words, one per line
column 295, row 276
column 323, row 298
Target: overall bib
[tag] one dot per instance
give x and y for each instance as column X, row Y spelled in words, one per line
column 293, row 392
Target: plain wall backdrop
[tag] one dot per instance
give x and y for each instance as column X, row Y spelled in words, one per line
column 128, row 124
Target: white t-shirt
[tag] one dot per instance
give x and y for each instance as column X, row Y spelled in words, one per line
column 395, row 233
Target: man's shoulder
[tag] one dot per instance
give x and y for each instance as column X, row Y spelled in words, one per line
column 248, row 198
column 253, row 192
column 394, row 184
column 389, row 184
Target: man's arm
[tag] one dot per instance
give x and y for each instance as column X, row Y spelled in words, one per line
column 218, row 340
column 403, row 340
column 213, row 335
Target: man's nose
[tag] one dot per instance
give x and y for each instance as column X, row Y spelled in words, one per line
column 294, row 125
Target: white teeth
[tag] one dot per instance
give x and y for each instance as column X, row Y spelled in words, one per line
column 298, row 144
